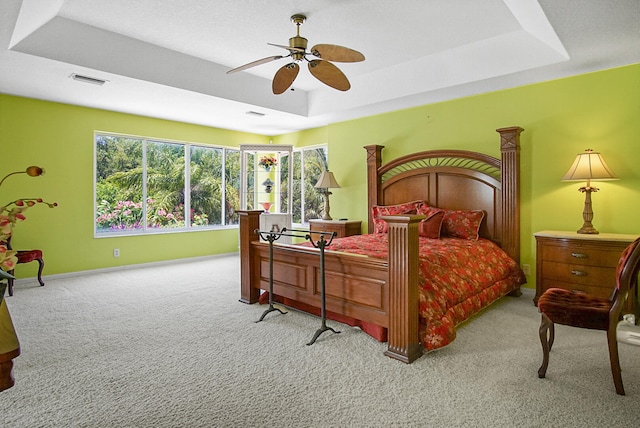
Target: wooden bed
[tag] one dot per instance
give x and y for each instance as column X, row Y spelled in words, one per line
column 385, row 292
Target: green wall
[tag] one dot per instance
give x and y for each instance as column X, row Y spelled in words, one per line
column 561, row 118
column 59, row 138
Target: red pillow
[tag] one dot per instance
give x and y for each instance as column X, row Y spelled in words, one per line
column 430, row 226
column 462, row 224
column 377, row 211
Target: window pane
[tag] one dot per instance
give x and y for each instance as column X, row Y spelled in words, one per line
column 206, row 186
column 284, row 183
column 251, row 186
column 141, row 185
column 232, row 188
column 118, row 184
column 296, row 197
column 165, row 185
column 315, row 162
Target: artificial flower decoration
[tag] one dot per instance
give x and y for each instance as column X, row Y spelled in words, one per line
column 267, row 162
column 32, row 171
column 11, row 213
column 8, row 259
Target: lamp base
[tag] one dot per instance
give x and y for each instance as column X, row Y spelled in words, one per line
column 588, row 230
column 325, row 214
column 587, row 213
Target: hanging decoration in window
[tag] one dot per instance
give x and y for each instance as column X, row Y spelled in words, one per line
column 268, row 185
column 268, row 162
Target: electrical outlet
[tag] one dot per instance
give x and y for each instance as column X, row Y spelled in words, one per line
column 526, row 269
column 116, row 252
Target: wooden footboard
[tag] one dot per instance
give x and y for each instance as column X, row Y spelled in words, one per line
column 371, row 290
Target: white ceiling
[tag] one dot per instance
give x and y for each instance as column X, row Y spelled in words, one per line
column 168, row 58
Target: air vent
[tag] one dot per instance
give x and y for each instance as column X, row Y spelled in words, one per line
column 87, row 79
column 255, row 113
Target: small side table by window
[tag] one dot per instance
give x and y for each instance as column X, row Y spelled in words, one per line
column 342, row 228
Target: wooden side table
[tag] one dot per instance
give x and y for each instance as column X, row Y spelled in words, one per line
column 579, row 262
column 342, row 228
column 9, row 344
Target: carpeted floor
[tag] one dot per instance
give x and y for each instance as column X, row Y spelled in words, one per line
column 171, row 346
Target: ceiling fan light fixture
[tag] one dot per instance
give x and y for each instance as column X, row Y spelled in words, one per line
column 323, row 70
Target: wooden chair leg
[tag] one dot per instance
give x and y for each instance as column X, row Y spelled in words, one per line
column 40, row 269
column 547, row 333
column 614, row 358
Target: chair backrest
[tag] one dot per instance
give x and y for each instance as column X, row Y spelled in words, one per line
column 627, row 275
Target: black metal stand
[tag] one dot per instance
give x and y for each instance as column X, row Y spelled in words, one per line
column 270, row 237
column 321, row 245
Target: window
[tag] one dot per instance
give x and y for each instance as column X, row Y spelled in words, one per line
column 150, row 186
column 308, row 163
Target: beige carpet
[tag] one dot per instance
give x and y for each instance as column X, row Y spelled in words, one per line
column 171, row 346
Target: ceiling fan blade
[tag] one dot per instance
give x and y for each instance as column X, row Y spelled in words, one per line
column 286, row 47
column 284, row 77
column 329, row 74
column 336, row 53
column 257, row 62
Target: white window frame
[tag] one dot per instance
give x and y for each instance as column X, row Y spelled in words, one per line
column 187, row 194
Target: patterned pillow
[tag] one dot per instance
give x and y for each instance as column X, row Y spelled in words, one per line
column 377, row 211
column 430, row 226
column 462, row 224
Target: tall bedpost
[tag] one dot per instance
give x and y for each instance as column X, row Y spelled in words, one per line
column 403, row 334
column 374, row 161
column 249, row 222
column 510, row 149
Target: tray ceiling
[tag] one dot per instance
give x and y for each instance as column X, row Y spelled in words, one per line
column 168, row 59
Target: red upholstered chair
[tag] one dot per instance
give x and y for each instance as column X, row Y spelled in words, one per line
column 26, row 256
column 578, row 309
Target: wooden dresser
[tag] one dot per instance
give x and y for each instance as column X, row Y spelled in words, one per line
column 576, row 261
column 342, row 228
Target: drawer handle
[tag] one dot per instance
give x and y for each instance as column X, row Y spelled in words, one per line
column 579, row 255
column 578, row 273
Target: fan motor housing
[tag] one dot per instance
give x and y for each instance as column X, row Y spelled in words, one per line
column 298, row 42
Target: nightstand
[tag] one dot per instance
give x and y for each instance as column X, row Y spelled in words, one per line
column 342, row 228
column 580, row 262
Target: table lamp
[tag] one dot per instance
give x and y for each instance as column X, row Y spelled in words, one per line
column 327, row 181
column 589, row 166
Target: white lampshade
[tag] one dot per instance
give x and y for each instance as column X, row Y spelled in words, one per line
column 327, row 181
column 589, row 166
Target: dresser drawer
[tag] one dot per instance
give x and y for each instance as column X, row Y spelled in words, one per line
column 581, row 254
column 598, row 276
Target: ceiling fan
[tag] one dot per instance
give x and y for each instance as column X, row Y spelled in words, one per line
column 321, row 68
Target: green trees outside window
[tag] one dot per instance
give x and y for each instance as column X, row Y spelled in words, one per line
column 308, row 164
column 145, row 185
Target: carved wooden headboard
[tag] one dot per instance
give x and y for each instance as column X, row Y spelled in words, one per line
column 456, row 179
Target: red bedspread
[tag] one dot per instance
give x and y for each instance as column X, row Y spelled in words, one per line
column 457, row 278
